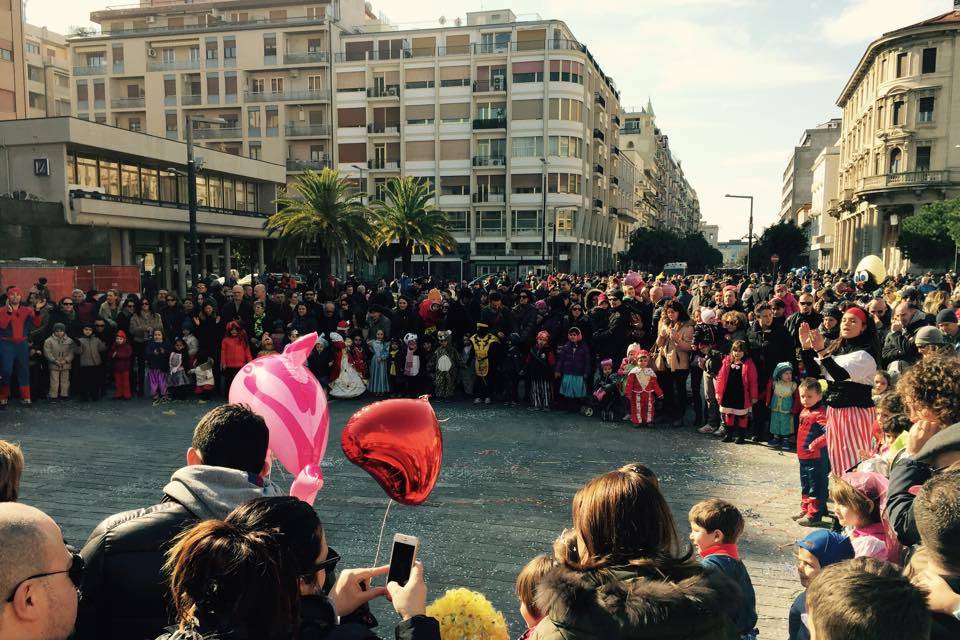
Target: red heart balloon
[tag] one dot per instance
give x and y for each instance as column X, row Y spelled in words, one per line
column 398, row 442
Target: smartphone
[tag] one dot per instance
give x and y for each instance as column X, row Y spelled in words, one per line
column 402, row 557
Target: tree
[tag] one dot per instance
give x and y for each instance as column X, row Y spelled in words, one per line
column 329, row 212
column 929, row 236
column 408, row 217
column 699, row 254
column 652, row 248
column 785, row 239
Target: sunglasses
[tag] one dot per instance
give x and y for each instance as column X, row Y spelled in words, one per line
column 326, row 565
column 74, row 572
column 66, row 304
column 805, row 304
column 131, row 305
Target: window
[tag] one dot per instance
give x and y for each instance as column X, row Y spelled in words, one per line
column 96, row 59
column 33, row 48
column 253, row 120
column 458, row 222
column 314, row 45
column 276, row 85
column 566, row 109
column 273, row 121
column 563, row 183
column 527, row 147
column 566, row 147
column 254, row 151
column 925, row 109
column 526, row 183
column 565, row 220
column 212, row 50
column 256, row 85
column 490, row 223
column 171, row 123
column 526, row 110
column 213, row 87
column 194, row 54
column 6, row 54
column 270, row 46
column 526, row 222
column 87, row 172
column 230, row 85
column 455, row 186
column 34, row 73
column 110, row 177
column 895, row 160
column 133, row 124
column 420, row 114
column 929, row 64
column 130, row 181
column 62, row 80
column 898, row 113
column 902, row 65
column 203, row 197
column 528, row 71
column 82, row 96
column 168, row 186
column 168, row 56
column 923, row 159
column 229, row 50
column 315, row 83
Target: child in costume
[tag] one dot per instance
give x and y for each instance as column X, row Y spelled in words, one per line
column 445, row 364
column 573, row 365
column 320, row 361
column 481, row 341
column 178, row 382
column 409, row 366
column 345, row 382
column 784, row 403
column 627, row 365
column 642, row 391
column 121, row 357
column 812, row 454
column 157, row 356
column 193, row 345
column 737, row 392
column 358, row 353
column 861, row 497
column 540, row 364
column 394, row 367
column 379, row 382
column 606, row 391
column 234, row 353
column 467, row 372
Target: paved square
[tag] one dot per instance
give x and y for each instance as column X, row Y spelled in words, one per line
column 504, row 492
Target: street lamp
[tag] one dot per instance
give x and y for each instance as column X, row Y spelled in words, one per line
column 192, row 191
column 543, row 188
column 362, row 188
column 750, row 230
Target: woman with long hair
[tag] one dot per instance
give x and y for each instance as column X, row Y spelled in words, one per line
column 675, row 343
column 623, row 573
column 849, row 364
column 142, row 325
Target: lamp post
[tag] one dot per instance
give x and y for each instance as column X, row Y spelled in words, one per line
column 192, row 192
column 750, row 229
column 362, row 187
column 543, row 188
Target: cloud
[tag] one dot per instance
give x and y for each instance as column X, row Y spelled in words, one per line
column 864, row 20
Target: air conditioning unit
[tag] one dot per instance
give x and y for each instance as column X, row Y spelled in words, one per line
column 151, row 19
column 391, row 91
column 498, row 83
column 151, row 52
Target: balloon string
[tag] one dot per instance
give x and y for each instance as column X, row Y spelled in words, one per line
column 383, row 526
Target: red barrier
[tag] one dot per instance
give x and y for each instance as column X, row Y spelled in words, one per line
column 63, row 280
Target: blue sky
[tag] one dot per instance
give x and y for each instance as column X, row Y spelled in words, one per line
column 734, row 82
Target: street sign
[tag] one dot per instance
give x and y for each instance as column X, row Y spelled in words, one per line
column 774, row 258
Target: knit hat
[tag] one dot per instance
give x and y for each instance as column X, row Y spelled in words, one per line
column 59, row 326
column 334, row 337
column 543, row 335
column 121, row 334
column 947, row 315
column 828, row 547
column 780, row 369
column 343, row 325
column 929, row 335
column 708, row 316
column 410, row 337
column 540, row 305
column 606, row 363
column 833, row 311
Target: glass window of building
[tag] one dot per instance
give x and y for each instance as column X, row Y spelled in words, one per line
column 87, row 172
column 168, row 186
column 149, row 183
column 130, row 181
column 251, row 197
column 527, row 147
column 203, row 197
column 215, row 186
column 110, row 177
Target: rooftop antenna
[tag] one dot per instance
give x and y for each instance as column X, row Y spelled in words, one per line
column 442, row 20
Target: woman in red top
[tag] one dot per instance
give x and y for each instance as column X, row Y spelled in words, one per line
column 234, row 353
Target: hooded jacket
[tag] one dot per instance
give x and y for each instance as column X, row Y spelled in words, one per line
column 631, row 602
column 235, row 350
column 124, row 590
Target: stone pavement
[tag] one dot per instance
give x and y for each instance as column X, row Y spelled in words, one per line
column 504, row 492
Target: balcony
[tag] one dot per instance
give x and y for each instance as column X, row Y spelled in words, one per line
column 615, row 150
column 497, row 85
column 614, row 211
column 615, row 120
column 390, row 91
column 285, row 96
column 598, row 135
column 306, row 130
column 218, row 133
column 308, row 57
column 489, row 123
column 307, row 165
column 489, row 161
column 598, row 168
column 597, row 203
column 485, row 197
column 212, row 24
column 615, row 181
column 91, row 70
column 182, row 65
column 910, row 179
column 191, row 99
column 127, row 103
column 118, row 66
column 600, row 100
column 384, row 129
column 631, row 128
column 383, row 165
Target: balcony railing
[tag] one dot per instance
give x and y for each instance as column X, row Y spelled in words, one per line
column 598, row 135
column 293, row 130
column 127, row 103
column 190, row 99
column 307, row 165
column 615, row 120
column 598, row 168
column 388, row 91
column 906, row 179
column 497, row 197
column 212, row 25
column 173, row 66
column 91, row 70
column 598, row 203
column 388, row 129
column 489, row 161
column 489, row 123
column 306, row 57
column 385, row 165
column 285, row 96
column 498, row 84
column 218, row 133
column 615, row 180
column 600, row 100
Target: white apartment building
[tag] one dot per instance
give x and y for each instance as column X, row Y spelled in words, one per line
column 823, row 208
column 46, row 60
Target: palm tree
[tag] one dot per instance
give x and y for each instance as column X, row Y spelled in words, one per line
column 408, row 217
column 329, row 212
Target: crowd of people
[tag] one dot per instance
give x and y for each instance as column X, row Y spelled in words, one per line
column 860, row 380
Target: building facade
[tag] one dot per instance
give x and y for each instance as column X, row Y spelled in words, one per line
column 668, row 200
column 13, row 94
column 712, row 234
column 734, row 253
column 508, row 120
column 120, row 197
column 797, row 177
column 901, row 129
column 822, row 213
column 47, row 69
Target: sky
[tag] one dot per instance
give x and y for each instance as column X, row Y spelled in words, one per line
column 734, row 83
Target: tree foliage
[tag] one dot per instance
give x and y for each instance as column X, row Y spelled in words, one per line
column 929, row 236
column 785, row 239
column 650, row 249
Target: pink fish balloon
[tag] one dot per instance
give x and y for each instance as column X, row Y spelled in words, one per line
column 282, row 390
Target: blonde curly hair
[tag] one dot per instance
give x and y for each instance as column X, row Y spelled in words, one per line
column 467, row 615
column 933, row 384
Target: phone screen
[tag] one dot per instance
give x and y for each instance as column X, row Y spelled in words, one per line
column 401, row 562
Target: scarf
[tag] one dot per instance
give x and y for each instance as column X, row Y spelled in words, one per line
column 729, row 550
column 411, row 365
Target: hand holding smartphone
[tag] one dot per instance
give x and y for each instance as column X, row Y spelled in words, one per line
column 402, row 557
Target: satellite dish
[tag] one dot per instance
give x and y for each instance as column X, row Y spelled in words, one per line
column 443, row 20
column 457, row 22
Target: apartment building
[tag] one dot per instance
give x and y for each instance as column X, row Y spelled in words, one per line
column 823, row 208
column 667, row 199
column 13, row 95
column 507, row 119
column 900, row 137
column 47, row 69
column 711, row 232
column 796, row 189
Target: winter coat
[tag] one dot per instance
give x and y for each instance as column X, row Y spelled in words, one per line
column 525, row 322
column 172, row 319
column 110, row 314
column 120, row 357
column 57, row 350
column 749, row 373
column 904, row 477
column 142, row 326
column 157, row 355
column 793, row 323
column 124, row 595
column 633, row 603
column 573, row 361
column 235, row 350
column 899, row 345
column 90, row 351
column 677, row 358
column 768, row 348
column 303, row 324
column 499, row 321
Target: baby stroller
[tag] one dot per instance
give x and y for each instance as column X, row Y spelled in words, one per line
column 605, row 401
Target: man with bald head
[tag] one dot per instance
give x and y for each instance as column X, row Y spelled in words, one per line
column 237, row 308
column 38, row 576
column 899, row 344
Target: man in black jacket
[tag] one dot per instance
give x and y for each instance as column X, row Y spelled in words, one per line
column 770, row 344
column 899, row 344
column 806, row 314
column 938, row 522
column 237, row 308
column 124, row 592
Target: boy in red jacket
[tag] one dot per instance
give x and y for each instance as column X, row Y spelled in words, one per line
column 812, row 455
column 234, row 353
column 121, row 354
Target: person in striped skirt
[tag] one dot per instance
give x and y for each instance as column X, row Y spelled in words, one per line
column 848, row 364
